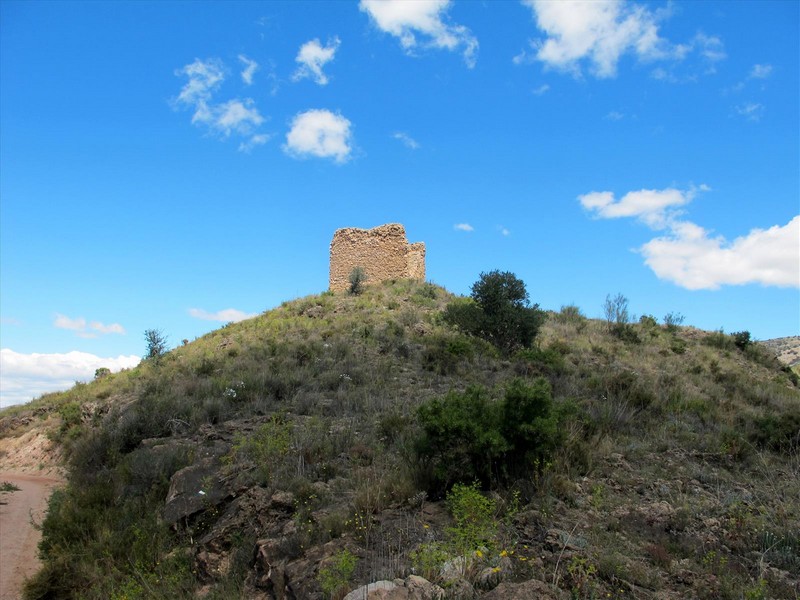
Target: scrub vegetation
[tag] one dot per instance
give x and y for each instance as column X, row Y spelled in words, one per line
column 478, row 442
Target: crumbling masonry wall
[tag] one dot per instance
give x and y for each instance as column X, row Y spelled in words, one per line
column 383, row 252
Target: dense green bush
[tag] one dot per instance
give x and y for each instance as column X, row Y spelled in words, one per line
column 471, row 437
column 499, row 311
column 741, row 339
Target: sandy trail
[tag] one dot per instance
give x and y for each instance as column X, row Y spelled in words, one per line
column 18, row 537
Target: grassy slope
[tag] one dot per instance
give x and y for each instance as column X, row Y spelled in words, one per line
column 678, row 474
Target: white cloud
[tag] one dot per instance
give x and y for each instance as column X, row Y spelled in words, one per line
column 250, row 68
column 64, row 322
column 752, row 111
column 614, row 116
column 228, row 315
column 653, row 207
column 27, row 376
column 204, row 78
column 312, row 57
column 542, row 89
column 106, row 329
column 236, row 116
column 503, row 231
column 407, row 140
column 319, row 133
column 463, row 227
column 689, row 256
column 599, row 33
column 240, row 117
column 257, row 140
column 760, row 71
column 84, row 330
column 692, row 258
column 425, row 18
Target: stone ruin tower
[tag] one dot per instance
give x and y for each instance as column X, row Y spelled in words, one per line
column 383, row 252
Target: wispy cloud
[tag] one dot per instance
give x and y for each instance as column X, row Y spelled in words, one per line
column 233, row 116
column 422, row 23
column 319, row 133
column 597, row 34
column 691, row 256
column 541, row 90
column 223, row 119
column 407, row 140
column 24, row 377
column 250, row 68
column 614, row 116
column 228, row 315
column 85, row 329
column 503, row 231
column 312, row 57
column 752, row 111
column 204, row 78
column 760, row 71
column 463, row 227
column 257, row 140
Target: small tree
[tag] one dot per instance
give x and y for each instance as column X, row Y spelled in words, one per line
column 358, row 277
column 156, row 343
column 741, row 339
column 615, row 310
column 499, row 312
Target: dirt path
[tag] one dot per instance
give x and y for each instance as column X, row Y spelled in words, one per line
column 18, row 537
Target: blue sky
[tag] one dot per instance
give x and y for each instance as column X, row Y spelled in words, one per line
column 180, row 165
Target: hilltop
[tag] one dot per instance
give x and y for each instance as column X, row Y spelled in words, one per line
column 343, row 439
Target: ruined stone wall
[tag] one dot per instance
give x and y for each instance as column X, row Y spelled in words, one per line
column 383, row 252
column 415, row 260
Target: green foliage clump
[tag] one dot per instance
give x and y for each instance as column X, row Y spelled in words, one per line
column 334, row 578
column 673, row 320
column 473, row 513
column 741, row 339
column 265, row 445
column 156, row 343
column 357, row 278
column 429, row 558
column 471, row 437
column 498, row 311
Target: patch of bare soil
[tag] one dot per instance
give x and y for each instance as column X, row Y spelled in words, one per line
column 19, row 511
column 30, row 453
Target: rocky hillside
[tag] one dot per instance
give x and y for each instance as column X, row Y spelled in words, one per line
column 340, row 441
column 787, row 349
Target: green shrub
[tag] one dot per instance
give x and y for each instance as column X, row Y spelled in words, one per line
column 673, row 320
column 718, row 339
column 542, row 361
column 469, row 436
column 334, row 578
column 500, row 312
column 461, row 438
column 777, row 432
column 648, row 321
column 741, row 339
column 571, row 313
column 429, row 558
column 473, row 514
column 357, row 278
